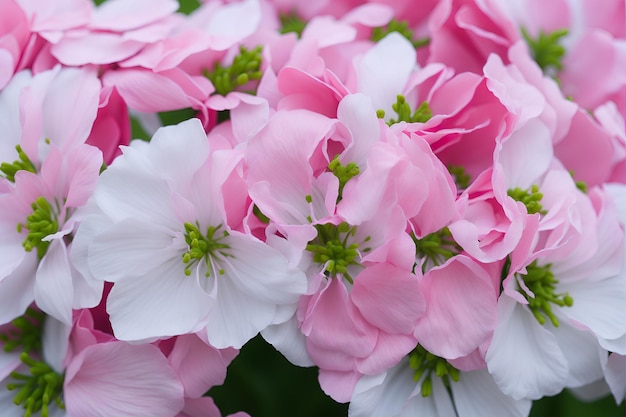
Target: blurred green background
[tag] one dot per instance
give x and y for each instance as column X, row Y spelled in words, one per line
column 263, row 383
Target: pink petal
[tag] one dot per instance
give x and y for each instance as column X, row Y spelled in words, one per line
column 389, row 298
column 119, row 379
column 461, row 310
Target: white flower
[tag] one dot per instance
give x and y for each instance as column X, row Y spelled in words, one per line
column 162, row 232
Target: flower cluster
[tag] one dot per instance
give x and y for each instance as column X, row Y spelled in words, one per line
column 426, row 202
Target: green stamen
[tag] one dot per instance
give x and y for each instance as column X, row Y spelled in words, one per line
column 37, row 390
column 259, row 214
column 27, row 332
column 541, row 281
column 331, row 249
column 43, row 222
column 402, row 27
column 546, row 50
column 581, row 185
column 203, row 247
column 421, row 115
column 530, row 198
column 425, row 364
column 461, row 177
column 245, row 67
column 291, row 22
column 23, row 163
column 343, row 172
column 436, row 248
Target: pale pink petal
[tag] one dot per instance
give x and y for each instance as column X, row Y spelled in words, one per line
column 70, row 106
column 200, row 407
column 82, row 48
column 333, row 322
column 199, row 366
column 389, row 298
column 461, row 309
column 122, row 380
column 122, row 15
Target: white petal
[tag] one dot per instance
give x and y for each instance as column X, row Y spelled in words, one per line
column 616, row 376
column 164, row 302
column 380, row 80
column 131, row 248
column 585, row 357
column 384, row 394
column 55, row 341
column 54, row 292
column 599, row 305
column 17, row 291
column 289, row 340
column 477, row 395
column 261, row 271
column 237, row 316
column 519, row 340
column 125, row 194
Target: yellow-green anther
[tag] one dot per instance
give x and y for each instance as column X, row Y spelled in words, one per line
column 23, row 163
column 38, row 389
column 331, row 249
column 425, row 364
column 581, row 185
column 308, row 198
column 42, row 222
column 436, row 248
column 380, row 113
column 530, row 198
column 343, row 173
column 203, row 247
column 427, row 387
column 26, row 334
column 291, row 22
column 541, row 282
column 401, row 27
column 421, row 115
column 246, row 66
column 546, row 50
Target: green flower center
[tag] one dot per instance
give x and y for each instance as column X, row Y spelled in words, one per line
column 331, row 249
column 291, row 22
column 546, row 49
column 531, row 198
column 426, row 364
column 204, row 247
column 22, row 163
column 436, row 248
column 42, row 222
column 38, row 389
column 343, row 173
column 421, row 115
column 402, row 27
column 246, row 66
column 26, row 334
column 540, row 280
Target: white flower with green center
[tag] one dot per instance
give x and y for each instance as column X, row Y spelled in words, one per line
column 162, row 233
